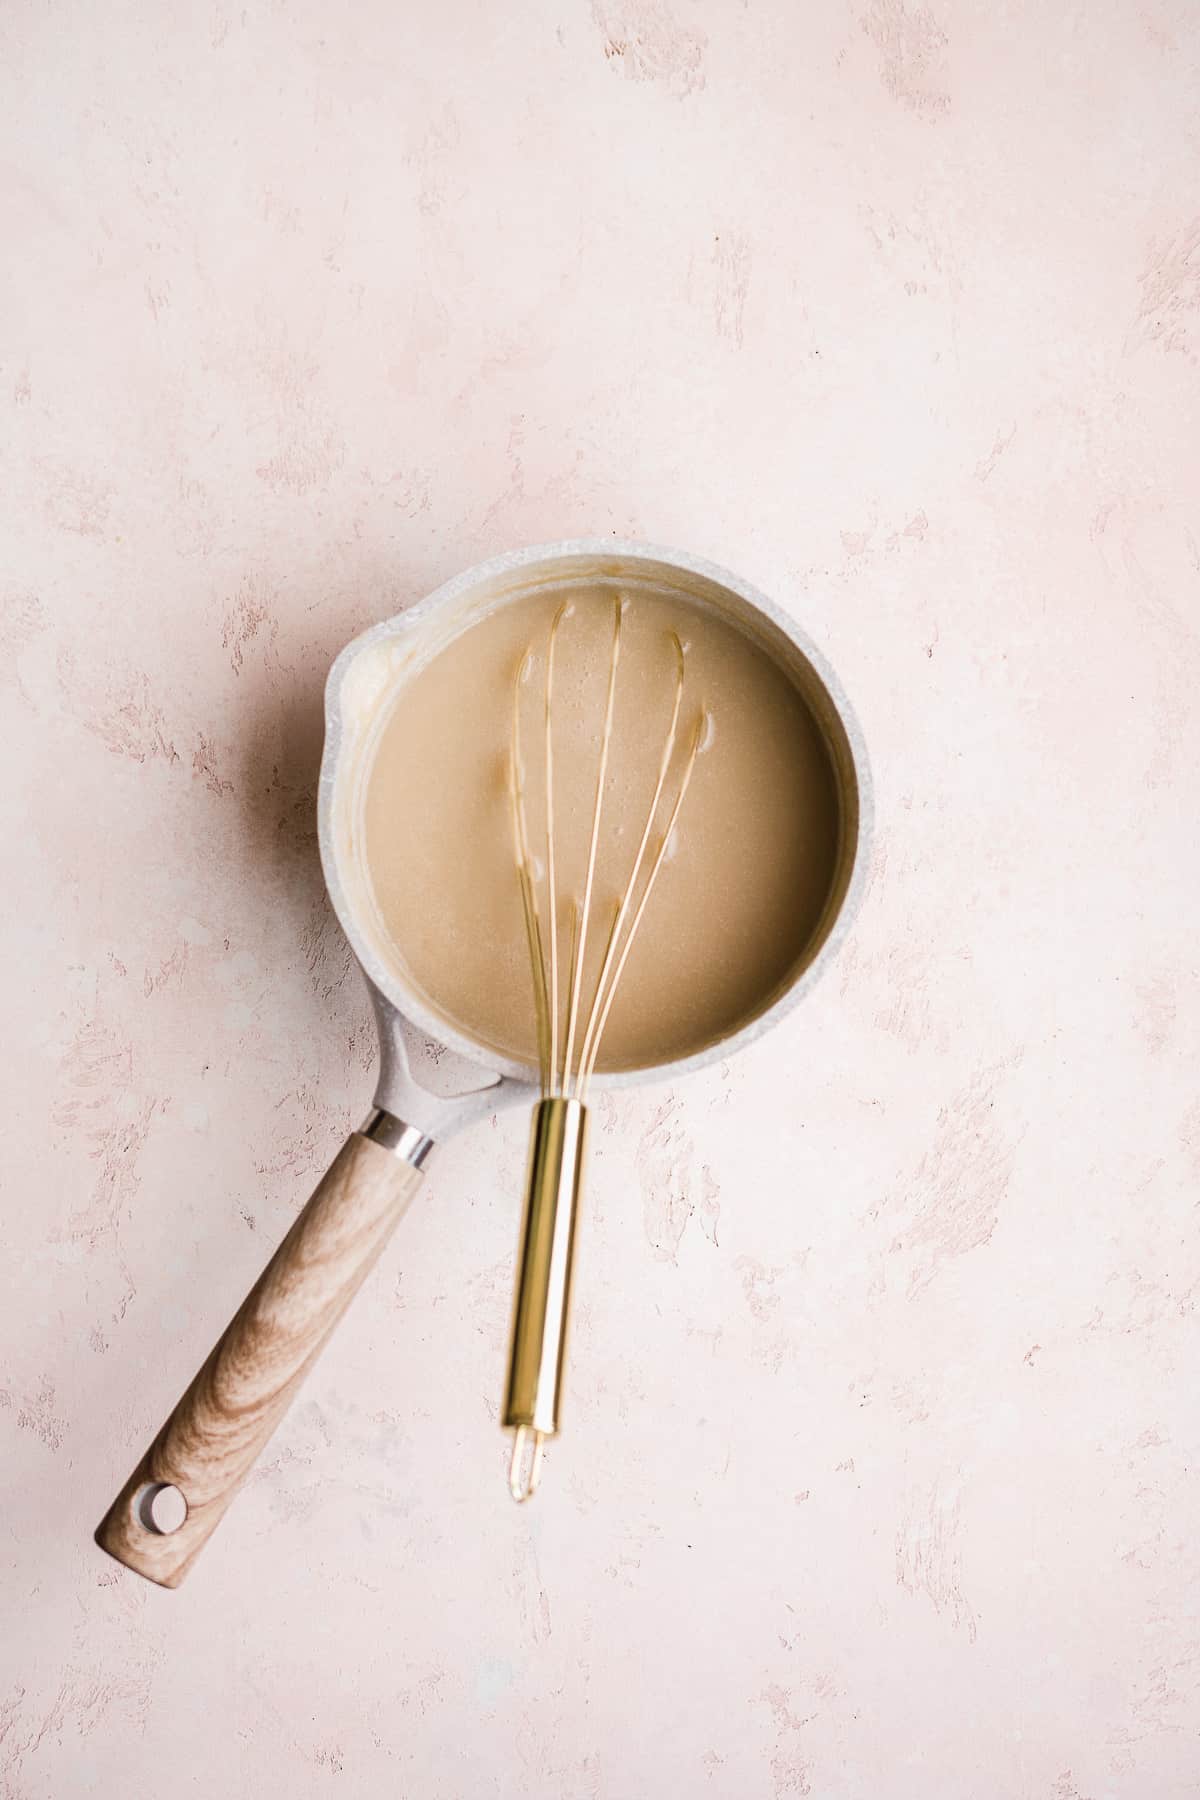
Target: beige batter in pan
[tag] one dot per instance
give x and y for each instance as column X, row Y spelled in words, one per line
column 746, row 877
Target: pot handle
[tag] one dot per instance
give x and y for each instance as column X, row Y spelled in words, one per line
column 175, row 1498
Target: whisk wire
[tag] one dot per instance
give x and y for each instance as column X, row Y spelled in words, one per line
column 529, row 902
column 594, row 840
column 572, row 974
column 562, row 1075
column 551, row 885
column 697, row 738
column 592, row 1031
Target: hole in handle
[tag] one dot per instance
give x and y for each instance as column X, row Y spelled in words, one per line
column 161, row 1508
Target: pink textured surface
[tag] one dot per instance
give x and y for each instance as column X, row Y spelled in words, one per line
column 878, row 1480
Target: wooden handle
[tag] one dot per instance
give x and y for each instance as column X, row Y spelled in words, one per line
column 208, row 1445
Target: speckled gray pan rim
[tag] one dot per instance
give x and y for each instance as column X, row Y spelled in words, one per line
column 431, row 623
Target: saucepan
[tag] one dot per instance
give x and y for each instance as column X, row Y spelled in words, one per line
column 172, row 1502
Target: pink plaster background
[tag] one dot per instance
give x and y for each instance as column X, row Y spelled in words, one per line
column 880, row 1478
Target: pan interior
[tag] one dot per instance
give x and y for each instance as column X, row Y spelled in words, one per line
column 742, row 898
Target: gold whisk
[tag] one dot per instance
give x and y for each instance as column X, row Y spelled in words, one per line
column 559, row 1130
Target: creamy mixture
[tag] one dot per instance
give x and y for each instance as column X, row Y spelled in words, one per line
column 747, row 871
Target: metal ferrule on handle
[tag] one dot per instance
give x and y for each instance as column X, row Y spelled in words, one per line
column 408, row 1142
column 537, row 1357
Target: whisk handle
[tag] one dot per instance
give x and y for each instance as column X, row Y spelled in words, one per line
column 175, row 1498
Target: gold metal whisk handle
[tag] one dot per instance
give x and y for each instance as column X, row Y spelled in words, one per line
column 537, row 1355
